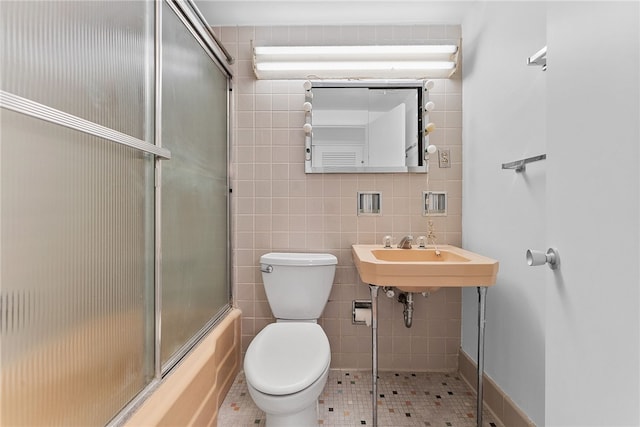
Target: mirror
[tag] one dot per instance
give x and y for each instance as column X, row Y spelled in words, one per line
column 364, row 126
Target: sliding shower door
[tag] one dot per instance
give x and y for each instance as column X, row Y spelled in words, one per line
column 113, row 212
column 77, row 271
column 194, row 243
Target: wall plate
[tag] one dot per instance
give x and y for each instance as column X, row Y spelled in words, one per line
column 444, row 158
column 435, row 203
column 369, row 203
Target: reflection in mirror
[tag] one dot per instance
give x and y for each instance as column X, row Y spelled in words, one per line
column 365, row 127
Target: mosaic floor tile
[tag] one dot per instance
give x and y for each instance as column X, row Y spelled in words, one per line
column 404, row 399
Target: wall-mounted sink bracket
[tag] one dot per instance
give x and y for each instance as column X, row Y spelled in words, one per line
column 519, row 165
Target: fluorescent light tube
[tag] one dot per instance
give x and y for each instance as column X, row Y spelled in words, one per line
column 356, row 51
column 402, row 61
column 380, row 65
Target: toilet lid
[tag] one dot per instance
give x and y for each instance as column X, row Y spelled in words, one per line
column 287, row 357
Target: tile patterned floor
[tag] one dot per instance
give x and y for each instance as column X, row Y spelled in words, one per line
column 405, row 399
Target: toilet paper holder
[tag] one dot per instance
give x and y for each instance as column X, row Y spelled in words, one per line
column 361, row 312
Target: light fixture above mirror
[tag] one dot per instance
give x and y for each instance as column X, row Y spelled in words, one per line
column 356, row 62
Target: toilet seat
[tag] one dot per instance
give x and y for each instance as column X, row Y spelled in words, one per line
column 287, row 357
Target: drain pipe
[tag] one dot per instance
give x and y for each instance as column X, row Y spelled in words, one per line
column 408, row 310
column 406, row 298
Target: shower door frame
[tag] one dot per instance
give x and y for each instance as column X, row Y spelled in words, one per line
column 195, row 23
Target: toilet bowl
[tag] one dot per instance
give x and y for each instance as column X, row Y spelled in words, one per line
column 286, row 368
column 287, row 363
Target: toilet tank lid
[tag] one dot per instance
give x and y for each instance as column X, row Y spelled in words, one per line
column 282, row 258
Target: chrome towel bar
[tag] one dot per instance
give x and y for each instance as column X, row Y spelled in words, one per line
column 519, row 165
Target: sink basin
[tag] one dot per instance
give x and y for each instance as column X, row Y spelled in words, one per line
column 418, row 255
column 420, row 270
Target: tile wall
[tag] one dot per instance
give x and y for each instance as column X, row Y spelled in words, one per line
column 277, row 207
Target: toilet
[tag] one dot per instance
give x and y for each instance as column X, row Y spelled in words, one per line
column 287, row 363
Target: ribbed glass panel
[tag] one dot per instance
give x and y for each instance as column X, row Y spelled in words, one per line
column 76, row 213
column 87, row 58
column 194, row 187
column 74, row 271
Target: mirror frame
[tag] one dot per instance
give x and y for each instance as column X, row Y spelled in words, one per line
column 423, row 141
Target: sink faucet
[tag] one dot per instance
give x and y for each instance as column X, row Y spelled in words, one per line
column 405, row 243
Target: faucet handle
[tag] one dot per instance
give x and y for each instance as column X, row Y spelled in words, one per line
column 386, row 241
column 421, row 242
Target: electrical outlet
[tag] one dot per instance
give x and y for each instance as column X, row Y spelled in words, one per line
column 444, row 158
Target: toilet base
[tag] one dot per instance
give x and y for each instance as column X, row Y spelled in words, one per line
column 294, row 410
column 306, row 418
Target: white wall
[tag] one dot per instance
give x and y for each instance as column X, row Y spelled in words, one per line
column 332, row 12
column 565, row 345
column 593, row 325
column 386, row 133
column 503, row 211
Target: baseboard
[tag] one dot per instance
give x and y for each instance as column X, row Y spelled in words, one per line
column 495, row 400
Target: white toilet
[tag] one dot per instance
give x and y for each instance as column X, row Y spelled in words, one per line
column 287, row 363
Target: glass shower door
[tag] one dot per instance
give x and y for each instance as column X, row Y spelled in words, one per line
column 194, row 214
column 77, row 223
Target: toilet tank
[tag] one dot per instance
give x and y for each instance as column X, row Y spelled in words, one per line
column 297, row 284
